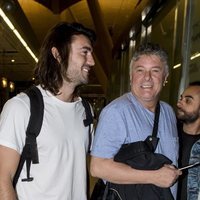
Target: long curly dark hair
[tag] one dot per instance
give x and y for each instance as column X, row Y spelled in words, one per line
column 49, row 72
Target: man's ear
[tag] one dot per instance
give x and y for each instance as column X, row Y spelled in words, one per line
column 55, row 54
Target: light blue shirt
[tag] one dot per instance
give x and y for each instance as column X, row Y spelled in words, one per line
column 125, row 120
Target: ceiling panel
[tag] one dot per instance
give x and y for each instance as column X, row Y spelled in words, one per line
column 115, row 15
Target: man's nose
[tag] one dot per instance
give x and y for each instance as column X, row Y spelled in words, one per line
column 179, row 103
column 147, row 75
column 90, row 60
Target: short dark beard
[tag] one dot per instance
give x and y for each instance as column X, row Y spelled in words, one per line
column 188, row 118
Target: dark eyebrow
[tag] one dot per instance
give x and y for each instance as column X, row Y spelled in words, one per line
column 87, row 48
column 189, row 96
column 157, row 67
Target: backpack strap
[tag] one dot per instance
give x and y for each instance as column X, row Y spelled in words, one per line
column 87, row 122
column 30, row 152
column 89, row 119
column 89, row 116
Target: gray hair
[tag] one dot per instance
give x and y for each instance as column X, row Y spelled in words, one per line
column 150, row 49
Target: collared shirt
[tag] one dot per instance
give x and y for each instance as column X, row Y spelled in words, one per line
column 125, row 120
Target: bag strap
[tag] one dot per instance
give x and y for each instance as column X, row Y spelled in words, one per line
column 152, row 140
column 89, row 119
column 156, row 120
column 36, row 106
column 30, row 152
column 87, row 122
column 89, row 116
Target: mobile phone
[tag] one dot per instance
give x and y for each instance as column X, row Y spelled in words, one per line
column 190, row 165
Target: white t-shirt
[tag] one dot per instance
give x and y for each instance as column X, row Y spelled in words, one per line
column 62, row 147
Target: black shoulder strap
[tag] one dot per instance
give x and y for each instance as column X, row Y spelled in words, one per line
column 156, row 120
column 36, row 106
column 89, row 116
column 30, row 153
column 89, row 119
column 152, row 140
column 87, row 122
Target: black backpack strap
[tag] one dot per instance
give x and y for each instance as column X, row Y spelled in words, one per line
column 88, row 112
column 87, row 122
column 30, row 152
column 89, row 118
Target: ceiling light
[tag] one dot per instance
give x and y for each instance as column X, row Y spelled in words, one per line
column 15, row 31
column 11, row 86
column 176, row 66
column 195, row 55
column 8, row 5
column 4, row 82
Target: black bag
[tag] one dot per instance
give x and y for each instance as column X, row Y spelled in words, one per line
column 98, row 191
column 139, row 155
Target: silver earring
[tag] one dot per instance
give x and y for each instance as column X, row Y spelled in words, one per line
column 163, row 83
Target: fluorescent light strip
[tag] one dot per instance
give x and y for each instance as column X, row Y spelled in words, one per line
column 9, row 23
column 176, row 66
column 196, row 55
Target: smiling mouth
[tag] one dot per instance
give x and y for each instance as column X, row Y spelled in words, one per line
column 86, row 69
column 146, row 86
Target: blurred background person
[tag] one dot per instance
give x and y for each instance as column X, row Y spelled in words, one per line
column 188, row 114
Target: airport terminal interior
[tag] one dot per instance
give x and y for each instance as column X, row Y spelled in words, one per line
column 120, row 25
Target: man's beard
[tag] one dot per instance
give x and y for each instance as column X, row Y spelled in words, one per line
column 186, row 117
column 77, row 80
